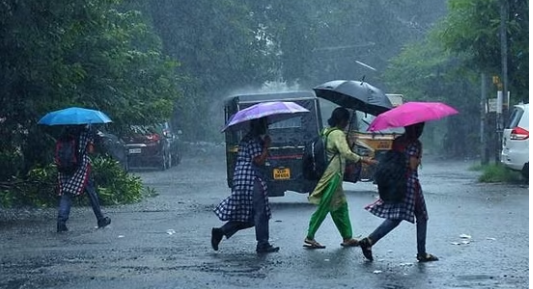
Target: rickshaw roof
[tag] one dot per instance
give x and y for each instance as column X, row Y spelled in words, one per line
column 285, row 96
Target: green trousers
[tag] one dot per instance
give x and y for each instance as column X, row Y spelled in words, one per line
column 340, row 216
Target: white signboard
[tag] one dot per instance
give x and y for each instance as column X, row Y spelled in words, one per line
column 492, row 104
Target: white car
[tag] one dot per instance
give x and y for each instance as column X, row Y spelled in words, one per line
column 515, row 143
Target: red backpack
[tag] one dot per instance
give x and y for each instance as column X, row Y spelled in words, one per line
column 67, row 155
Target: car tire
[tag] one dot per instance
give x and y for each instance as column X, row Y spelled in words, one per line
column 163, row 162
column 170, row 159
column 525, row 172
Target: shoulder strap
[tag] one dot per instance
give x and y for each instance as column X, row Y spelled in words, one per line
column 330, row 130
column 326, row 144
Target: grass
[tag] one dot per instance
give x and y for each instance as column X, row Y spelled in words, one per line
column 496, row 174
column 477, row 167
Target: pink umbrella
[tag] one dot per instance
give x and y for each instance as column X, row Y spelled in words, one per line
column 411, row 113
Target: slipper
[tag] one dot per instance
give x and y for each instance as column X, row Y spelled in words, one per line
column 366, row 247
column 312, row 244
column 426, row 258
column 350, row 243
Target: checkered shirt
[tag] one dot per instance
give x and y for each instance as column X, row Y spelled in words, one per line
column 75, row 183
column 414, row 198
column 239, row 205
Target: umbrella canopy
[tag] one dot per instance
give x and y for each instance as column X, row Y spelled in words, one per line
column 74, row 116
column 411, row 113
column 355, row 95
column 274, row 111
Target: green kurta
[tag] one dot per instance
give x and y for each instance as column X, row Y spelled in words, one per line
column 328, row 194
column 336, row 142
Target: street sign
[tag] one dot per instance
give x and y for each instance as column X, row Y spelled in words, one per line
column 492, row 104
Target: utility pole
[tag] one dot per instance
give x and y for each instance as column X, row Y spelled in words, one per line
column 504, row 15
column 483, row 122
column 502, row 89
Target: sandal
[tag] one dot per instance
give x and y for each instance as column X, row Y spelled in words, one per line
column 366, row 247
column 426, row 258
column 312, row 244
column 350, row 243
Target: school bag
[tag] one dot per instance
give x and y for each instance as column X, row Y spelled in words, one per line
column 315, row 159
column 67, row 155
column 391, row 176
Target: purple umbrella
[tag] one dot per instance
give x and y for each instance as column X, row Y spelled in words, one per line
column 274, row 111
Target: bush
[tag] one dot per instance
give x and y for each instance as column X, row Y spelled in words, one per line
column 39, row 187
column 496, row 173
column 116, row 186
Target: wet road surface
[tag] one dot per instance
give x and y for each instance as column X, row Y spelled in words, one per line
column 163, row 242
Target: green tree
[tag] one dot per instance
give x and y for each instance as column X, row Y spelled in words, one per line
column 84, row 53
column 239, row 45
column 424, row 71
column 473, row 27
column 446, row 65
column 220, row 47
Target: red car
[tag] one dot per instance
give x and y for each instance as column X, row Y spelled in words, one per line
column 151, row 146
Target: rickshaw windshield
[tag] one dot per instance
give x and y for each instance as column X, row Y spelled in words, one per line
column 295, row 122
column 364, row 120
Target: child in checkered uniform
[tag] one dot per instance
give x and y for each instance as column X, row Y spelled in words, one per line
column 248, row 206
column 413, row 205
column 75, row 184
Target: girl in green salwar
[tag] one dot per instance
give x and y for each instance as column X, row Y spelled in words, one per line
column 328, row 193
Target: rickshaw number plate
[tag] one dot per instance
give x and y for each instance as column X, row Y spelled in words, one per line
column 385, row 145
column 282, row 174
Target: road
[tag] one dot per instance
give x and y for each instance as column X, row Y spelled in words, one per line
column 163, row 242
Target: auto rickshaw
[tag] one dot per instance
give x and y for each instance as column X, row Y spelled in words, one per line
column 285, row 161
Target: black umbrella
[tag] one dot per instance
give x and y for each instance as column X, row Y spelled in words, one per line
column 356, row 95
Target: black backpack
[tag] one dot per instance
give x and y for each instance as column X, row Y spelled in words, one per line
column 391, row 176
column 315, row 159
column 67, row 155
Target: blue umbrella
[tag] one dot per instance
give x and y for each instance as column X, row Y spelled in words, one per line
column 74, row 116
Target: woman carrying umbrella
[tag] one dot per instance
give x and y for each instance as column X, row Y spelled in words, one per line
column 328, row 193
column 248, row 206
column 75, row 183
column 413, row 204
column 76, row 143
column 412, row 116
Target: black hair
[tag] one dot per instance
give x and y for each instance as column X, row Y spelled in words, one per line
column 258, row 126
column 338, row 115
column 414, row 131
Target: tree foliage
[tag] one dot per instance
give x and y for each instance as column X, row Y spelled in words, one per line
column 473, row 27
column 446, row 65
column 424, row 71
column 227, row 46
column 58, row 54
